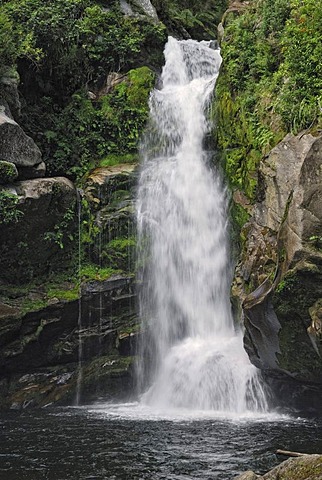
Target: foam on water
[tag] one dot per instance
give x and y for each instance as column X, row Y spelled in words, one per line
column 137, row 411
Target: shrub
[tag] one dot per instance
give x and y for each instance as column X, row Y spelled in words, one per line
column 9, row 212
column 8, row 172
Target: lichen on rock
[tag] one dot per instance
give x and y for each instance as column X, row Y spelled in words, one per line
column 306, row 467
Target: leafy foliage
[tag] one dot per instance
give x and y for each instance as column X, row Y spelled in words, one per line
column 86, row 131
column 270, row 83
column 9, row 211
column 199, row 18
column 65, row 49
column 8, row 172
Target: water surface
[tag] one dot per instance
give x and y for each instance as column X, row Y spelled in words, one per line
column 129, row 442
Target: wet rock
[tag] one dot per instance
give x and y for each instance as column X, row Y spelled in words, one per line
column 113, row 283
column 109, row 192
column 39, row 353
column 104, row 183
column 280, row 275
column 306, row 467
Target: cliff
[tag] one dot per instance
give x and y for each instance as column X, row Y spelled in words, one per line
column 75, row 79
column 269, row 132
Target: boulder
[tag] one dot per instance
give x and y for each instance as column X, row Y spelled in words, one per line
column 306, row 467
column 15, row 146
column 249, row 475
column 279, row 277
column 142, row 6
column 103, row 183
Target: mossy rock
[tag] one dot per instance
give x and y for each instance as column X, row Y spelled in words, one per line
column 8, row 172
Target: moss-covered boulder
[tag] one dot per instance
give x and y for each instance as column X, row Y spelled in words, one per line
column 306, row 467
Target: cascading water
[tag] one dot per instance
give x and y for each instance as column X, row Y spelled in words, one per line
column 192, row 356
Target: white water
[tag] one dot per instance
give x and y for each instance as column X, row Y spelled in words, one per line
column 193, row 357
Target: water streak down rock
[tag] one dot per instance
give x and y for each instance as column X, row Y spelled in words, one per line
column 192, row 355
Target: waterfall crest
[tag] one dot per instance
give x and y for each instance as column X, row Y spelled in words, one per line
column 192, row 356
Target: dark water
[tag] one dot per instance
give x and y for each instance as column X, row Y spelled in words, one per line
column 125, row 443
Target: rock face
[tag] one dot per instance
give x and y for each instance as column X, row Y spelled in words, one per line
column 9, row 81
column 40, row 355
column 307, row 467
column 109, row 192
column 279, row 277
column 32, row 245
column 75, row 338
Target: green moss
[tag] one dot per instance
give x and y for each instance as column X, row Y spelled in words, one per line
column 30, row 305
column 9, row 211
column 119, row 253
column 94, row 272
column 141, row 82
column 114, row 159
column 68, row 295
column 8, row 172
column 264, row 90
column 239, row 217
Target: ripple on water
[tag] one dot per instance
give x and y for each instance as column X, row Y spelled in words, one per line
column 132, row 442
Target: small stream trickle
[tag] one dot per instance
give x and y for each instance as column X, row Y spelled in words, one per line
column 79, row 319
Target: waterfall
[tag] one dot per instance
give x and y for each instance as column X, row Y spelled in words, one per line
column 192, row 356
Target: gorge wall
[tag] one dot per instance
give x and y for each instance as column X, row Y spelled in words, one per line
column 74, row 88
column 269, row 130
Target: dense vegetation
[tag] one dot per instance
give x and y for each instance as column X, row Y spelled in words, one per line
column 198, row 18
column 271, row 82
column 85, row 70
column 66, row 49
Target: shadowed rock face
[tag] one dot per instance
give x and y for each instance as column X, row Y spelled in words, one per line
column 281, row 267
column 30, row 246
column 39, row 351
